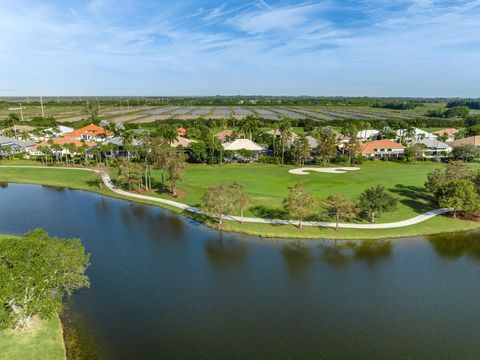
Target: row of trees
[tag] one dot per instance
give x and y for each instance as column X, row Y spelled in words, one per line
column 373, row 201
column 300, row 204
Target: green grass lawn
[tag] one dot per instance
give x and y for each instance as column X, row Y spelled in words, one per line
column 43, row 342
column 268, row 185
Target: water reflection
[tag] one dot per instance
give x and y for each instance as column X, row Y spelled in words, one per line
column 300, row 256
column 297, row 256
column 335, row 254
column 222, row 252
column 3, row 185
column 456, row 246
column 371, row 251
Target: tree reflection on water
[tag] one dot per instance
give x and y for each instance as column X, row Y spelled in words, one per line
column 299, row 256
column 456, row 246
column 225, row 252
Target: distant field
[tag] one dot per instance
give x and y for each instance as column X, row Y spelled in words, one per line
column 143, row 114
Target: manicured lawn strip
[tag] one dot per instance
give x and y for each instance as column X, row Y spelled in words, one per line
column 43, row 342
column 77, row 179
column 439, row 224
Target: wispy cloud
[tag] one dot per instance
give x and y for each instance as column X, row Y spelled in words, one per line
column 282, row 18
column 367, row 47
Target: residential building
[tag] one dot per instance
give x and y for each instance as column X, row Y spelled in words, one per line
column 90, row 133
column 368, row 135
column 10, row 146
column 418, row 134
column 63, row 142
column 448, row 133
column 224, row 135
column 242, row 144
column 381, row 148
column 434, row 149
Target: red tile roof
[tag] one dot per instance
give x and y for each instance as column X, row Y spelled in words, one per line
column 91, row 130
column 181, row 131
column 64, row 141
column 222, row 135
column 369, row 147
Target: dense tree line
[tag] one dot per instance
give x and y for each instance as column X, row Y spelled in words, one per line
column 471, row 104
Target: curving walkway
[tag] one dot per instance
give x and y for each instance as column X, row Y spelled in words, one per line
column 108, row 183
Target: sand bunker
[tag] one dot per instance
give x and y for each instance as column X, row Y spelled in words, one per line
column 307, row 170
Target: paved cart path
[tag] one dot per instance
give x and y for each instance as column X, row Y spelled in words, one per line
column 108, row 183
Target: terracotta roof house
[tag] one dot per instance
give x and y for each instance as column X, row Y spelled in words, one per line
column 472, row 140
column 62, row 141
column 90, row 133
column 381, row 148
column 182, row 131
column 449, row 133
column 223, row 135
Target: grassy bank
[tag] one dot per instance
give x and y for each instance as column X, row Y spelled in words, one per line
column 43, row 342
column 267, row 186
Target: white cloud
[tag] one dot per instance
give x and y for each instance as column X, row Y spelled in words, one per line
column 283, row 18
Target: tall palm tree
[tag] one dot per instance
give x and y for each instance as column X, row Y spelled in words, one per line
column 274, row 137
column 127, row 140
column 285, row 135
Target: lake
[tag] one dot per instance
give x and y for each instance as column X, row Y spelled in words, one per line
column 166, row 287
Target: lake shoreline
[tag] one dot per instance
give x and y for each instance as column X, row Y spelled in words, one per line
column 271, row 231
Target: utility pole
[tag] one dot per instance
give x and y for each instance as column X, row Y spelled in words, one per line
column 21, row 112
column 41, row 104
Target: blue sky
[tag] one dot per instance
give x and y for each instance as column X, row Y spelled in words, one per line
column 270, row 47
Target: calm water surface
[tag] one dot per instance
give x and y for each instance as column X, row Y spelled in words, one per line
column 164, row 287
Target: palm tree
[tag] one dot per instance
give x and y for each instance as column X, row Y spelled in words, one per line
column 170, row 134
column 274, row 137
column 249, row 125
column 72, row 149
column 57, row 149
column 8, row 150
column 127, row 140
column 285, row 135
